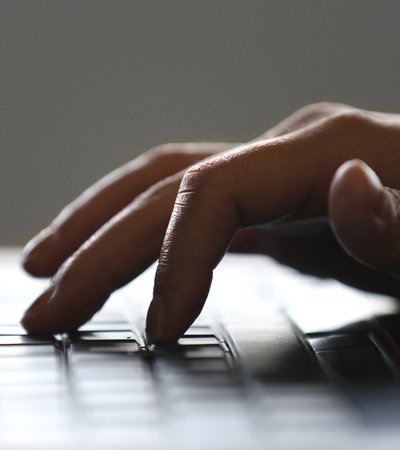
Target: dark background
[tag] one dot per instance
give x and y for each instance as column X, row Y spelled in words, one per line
column 87, row 85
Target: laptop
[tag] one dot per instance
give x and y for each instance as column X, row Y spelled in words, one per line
column 276, row 360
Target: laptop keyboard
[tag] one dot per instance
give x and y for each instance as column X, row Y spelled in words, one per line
column 105, row 376
column 103, row 381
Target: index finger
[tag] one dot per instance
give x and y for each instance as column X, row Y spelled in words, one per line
column 288, row 177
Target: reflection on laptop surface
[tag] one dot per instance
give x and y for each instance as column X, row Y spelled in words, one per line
column 276, row 360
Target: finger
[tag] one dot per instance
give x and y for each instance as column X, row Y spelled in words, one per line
column 284, row 177
column 117, row 252
column 78, row 221
column 213, row 201
column 366, row 216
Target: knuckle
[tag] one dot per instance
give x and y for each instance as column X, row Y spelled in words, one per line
column 163, row 151
column 321, row 109
column 169, row 153
column 173, row 155
column 351, row 118
column 198, row 175
column 209, row 179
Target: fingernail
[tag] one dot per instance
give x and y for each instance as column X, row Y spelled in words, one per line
column 375, row 182
column 155, row 322
column 374, row 187
column 35, row 309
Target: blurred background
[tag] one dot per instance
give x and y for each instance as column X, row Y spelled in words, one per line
column 86, row 85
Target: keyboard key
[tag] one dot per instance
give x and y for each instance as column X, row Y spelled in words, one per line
column 358, row 364
column 208, row 352
column 199, row 331
column 25, row 340
column 198, row 340
column 104, row 326
column 12, row 330
column 106, row 347
column 330, row 342
column 103, row 336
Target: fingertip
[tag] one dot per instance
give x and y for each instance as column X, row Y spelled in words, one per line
column 357, row 210
column 154, row 323
column 159, row 328
column 355, row 178
column 167, row 321
column 356, row 193
column 37, row 257
column 31, row 318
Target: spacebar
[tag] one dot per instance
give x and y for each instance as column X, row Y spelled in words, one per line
column 271, row 350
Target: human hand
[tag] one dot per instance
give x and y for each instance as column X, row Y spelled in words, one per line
column 297, row 171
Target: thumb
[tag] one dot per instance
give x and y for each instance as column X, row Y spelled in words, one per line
column 365, row 216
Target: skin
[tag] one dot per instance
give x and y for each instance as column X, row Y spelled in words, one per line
column 318, row 192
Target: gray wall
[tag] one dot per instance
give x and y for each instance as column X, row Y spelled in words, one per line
column 86, row 85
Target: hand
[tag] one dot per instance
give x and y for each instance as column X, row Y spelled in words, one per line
column 298, row 175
